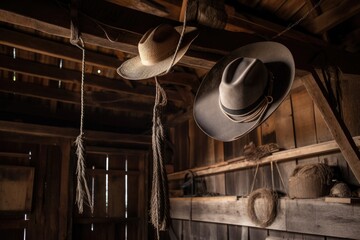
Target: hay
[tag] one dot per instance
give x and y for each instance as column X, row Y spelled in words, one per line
column 268, row 207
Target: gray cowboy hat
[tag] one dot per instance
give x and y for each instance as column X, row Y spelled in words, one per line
column 156, row 50
column 243, row 89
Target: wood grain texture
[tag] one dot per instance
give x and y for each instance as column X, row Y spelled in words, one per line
column 302, row 216
column 336, row 125
column 301, row 152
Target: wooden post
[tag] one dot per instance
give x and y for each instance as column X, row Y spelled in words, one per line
column 334, row 122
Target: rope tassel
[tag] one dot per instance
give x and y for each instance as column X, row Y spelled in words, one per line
column 160, row 205
column 82, row 190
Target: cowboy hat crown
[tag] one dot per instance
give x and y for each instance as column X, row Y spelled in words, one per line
column 242, row 85
column 158, row 44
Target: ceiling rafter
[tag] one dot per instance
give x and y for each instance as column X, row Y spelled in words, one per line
column 72, row 76
column 203, row 53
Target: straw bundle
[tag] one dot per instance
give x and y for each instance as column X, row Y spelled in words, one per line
column 261, row 208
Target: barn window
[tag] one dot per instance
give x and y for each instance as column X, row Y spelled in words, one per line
column 115, row 182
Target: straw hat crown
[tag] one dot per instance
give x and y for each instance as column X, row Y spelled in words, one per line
column 158, row 44
column 157, row 50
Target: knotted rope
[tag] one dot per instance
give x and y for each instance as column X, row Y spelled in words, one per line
column 82, row 190
column 160, row 203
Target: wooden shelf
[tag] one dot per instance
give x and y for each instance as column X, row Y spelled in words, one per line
column 311, row 216
column 241, row 162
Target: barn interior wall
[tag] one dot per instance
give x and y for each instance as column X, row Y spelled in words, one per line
column 296, row 123
column 117, row 183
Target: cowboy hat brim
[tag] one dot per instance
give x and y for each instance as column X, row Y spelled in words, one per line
column 133, row 69
column 207, row 113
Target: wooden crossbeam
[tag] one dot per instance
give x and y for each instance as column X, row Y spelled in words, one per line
column 334, row 122
column 72, row 76
column 333, row 17
column 44, row 112
column 60, row 132
column 55, row 49
column 241, row 163
column 110, row 101
column 68, row 52
column 209, row 47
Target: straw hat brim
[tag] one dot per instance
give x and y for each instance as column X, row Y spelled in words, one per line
column 207, row 113
column 133, row 69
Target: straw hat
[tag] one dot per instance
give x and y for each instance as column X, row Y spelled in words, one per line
column 243, row 89
column 156, row 50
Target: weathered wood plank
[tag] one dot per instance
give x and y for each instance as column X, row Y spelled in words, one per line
column 114, row 151
column 72, row 76
column 328, row 219
column 333, row 17
column 51, row 19
column 55, row 49
column 91, row 99
column 16, row 188
column 301, row 152
column 336, row 126
column 301, row 215
column 224, row 210
column 41, row 130
column 65, row 179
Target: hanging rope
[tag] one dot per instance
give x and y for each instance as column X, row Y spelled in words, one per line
column 159, row 209
column 82, row 190
column 160, row 203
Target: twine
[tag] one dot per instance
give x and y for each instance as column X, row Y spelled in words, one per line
column 269, row 209
column 269, row 196
column 82, row 190
column 320, row 170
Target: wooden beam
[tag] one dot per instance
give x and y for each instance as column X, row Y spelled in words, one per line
column 311, row 216
column 68, row 52
column 26, row 110
column 333, row 17
column 72, row 76
column 55, row 49
column 241, row 163
column 14, row 154
column 130, row 25
column 14, row 223
column 335, row 124
column 109, row 100
column 59, row 132
column 114, row 151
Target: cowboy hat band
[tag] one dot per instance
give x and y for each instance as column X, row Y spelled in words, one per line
column 246, row 88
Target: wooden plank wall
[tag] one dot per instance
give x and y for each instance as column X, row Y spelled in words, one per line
column 297, row 122
column 53, row 214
